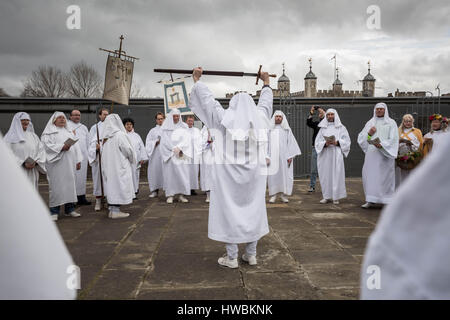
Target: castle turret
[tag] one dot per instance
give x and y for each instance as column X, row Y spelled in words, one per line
column 337, row 85
column 368, row 84
column 284, row 84
column 310, row 82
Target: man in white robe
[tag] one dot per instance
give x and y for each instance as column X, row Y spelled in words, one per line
column 378, row 171
column 407, row 256
column 29, row 240
column 155, row 164
column 26, row 146
column 237, row 211
column 176, row 152
column 207, row 160
column 196, row 141
column 332, row 145
column 94, row 154
column 118, row 158
column 61, row 159
column 283, row 146
column 139, row 148
column 81, row 132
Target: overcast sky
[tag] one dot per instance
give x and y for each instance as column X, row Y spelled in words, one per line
column 410, row 52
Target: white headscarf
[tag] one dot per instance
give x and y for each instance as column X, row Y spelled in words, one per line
column 386, row 117
column 111, row 126
column 15, row 133
column 243, row 119
column 50, row 128
column 284, row 123
column 337, row 121
column 168, row 124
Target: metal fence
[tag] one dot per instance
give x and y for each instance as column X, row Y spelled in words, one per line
column 354, row 113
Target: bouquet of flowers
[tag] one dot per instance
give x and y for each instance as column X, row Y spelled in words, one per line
column 409, row 160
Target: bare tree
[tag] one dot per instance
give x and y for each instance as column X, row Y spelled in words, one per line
column 46, row 81
column 83, row 81
column 3, row 93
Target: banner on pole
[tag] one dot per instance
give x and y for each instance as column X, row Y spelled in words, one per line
column 118, row 77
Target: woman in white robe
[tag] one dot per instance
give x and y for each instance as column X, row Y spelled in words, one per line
column 118, row 157
column 411, row 140
column 26, row 145
column 330, row 157
column 176, row 152
column 139, row 148
column 237, row 210
column 436, row 136
column 155, row 164
column 206, row 180
column 61, row 161
column 378, row 171
column 283, row 147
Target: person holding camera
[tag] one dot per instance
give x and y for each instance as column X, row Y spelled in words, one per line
column 315, row 126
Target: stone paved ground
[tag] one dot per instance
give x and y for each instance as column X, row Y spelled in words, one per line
column 313, row 251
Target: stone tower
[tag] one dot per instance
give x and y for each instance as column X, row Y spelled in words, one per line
column 284, row 84
column 337, row 85
column 368, row 84
column 310, row 82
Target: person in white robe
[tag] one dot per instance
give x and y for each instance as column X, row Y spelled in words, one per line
column 332, row 145
column 206, row 163
column 237, row 209
column 407, row 257
column 284, row 146
column 436, row 136
column 155, row 164
column 26, row 146
column 196, row 145
column 35, row 263
column 94, row 154
column 81, row 132
column 141, row 153
column 61, row 160
column 379, row 141
column 411, row 140
column 176, row 152
column 118, row 158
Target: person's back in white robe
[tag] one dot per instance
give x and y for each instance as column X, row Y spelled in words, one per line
column 284, row 146
column 82, row 134
column 26, row 144
column 175, row 169
column 378, row 172
column 141, row 155
column 93, row 157
column 207, row 160
column 155, row 165
column 411, row 243
column 237, row 210
column 61, row 165
column 196, row 150
column 118, row 156
column 330, row 160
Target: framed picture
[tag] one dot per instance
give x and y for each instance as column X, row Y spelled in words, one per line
column 175, row 96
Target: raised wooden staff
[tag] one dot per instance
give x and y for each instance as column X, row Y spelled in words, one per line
column 217, row 73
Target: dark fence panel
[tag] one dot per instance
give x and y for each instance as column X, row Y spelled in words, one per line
column 354, row 113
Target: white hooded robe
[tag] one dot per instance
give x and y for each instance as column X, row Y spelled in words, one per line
column 141, row 155
column 82, row 134
column 155, row 165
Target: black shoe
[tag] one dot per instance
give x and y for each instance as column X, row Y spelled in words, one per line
column 82, row 201
column 193, row 193
column 311, row 189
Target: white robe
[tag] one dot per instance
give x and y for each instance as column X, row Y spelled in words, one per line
column 31, row 147
column 155, row 165
column 118, row 156
column 330, row 160
column 411, row 242
column 141, row 155
column 82, row 134
column 378, row 171
column 206, row 165
column 176, row 169
column 93, row 157
column 196, row 150
column 237, row 209
column 60, row 167
column 438, row 137
column 400, row 174
column 35, row 263
column 282, row 179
